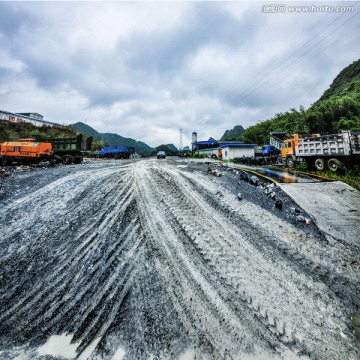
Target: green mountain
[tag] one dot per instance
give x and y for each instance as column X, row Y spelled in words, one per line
column 337, row 109
column 88, row 130
column 172, row 147
column 169, row 149
column 111, row 139
column 347, row 82
column 232, row 134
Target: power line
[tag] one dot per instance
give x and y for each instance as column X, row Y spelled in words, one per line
column 297, row 59
column 262, row 80
column 307, row 51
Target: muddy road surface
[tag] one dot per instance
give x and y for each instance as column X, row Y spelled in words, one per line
column 159, row 259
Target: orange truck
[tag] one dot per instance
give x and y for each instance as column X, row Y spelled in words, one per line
column 25, row 152
column 322, row 151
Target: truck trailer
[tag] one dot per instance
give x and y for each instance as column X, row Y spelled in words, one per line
column 115, row 152
column 322, row 151
column 66, row 150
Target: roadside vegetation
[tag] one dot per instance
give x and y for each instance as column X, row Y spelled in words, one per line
column 348, row 176
column 10, row 131
column 337, row 109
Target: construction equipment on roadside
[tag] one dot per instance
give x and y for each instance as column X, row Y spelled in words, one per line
column 115, row 152
column 66, row 150
column 326, row 151
column 25, row 152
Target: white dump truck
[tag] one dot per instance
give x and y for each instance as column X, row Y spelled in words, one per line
column 322, row 151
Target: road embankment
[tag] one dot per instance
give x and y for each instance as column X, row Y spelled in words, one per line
column 335, row 207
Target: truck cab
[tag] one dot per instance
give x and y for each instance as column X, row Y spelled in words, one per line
column 268, row 150
column 288, row 152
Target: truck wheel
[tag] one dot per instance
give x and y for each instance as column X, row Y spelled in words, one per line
column 334, row 164
column 320, row 164
column 78, row 160
column 4, row 162
column 67, row 159
column 213, row 156
column 290, row 162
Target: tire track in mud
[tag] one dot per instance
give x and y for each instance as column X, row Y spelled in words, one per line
column 324, row 260
column 83, row 266
column 156, row 260
column 295, row 299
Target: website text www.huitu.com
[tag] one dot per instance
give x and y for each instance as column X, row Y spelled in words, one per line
column 282, row 8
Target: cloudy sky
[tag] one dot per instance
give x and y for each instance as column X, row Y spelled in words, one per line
column 146, row 69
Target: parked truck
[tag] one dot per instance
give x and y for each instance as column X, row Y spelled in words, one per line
column 25, row 152
column 266, row 154
column 322, row 151
column 115, row 152
column 66, row 150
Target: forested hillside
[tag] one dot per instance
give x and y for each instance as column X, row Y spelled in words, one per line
column 232, row 134
column 111, row 139
column 10, row 131
column 337, row 109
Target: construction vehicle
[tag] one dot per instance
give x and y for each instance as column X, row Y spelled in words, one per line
column 66, row 150
column 25, row 152
column 266, row 154
column 326, row 151
column 115, row 152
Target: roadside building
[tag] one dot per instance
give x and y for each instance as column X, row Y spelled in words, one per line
column 32, row 115
column 32, row 118
column 207, row 148
column 226, row 150
column 231, row 151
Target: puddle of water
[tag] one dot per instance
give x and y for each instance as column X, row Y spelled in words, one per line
column 281, row 176
column 59, row 345
column 119, row 355
column 355, row 321
column 88, row 351
column 189, row 354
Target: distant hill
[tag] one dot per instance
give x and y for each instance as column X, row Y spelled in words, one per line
column 172, row 147
column 346, row 83
column 233, row 134
column 169, row 149
column 88, row 130
column 337, row 109
column 112, row 139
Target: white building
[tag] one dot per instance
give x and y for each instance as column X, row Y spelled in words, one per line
column 231, row 151
column 225, row 150
column 36, row 119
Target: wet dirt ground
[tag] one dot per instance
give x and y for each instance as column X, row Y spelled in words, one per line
column 161, row 259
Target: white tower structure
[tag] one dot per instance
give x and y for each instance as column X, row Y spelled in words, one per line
column 193, row 141
column 181, row 140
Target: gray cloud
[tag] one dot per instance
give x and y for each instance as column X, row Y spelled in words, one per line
column 206, row 23
column 145, row 69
